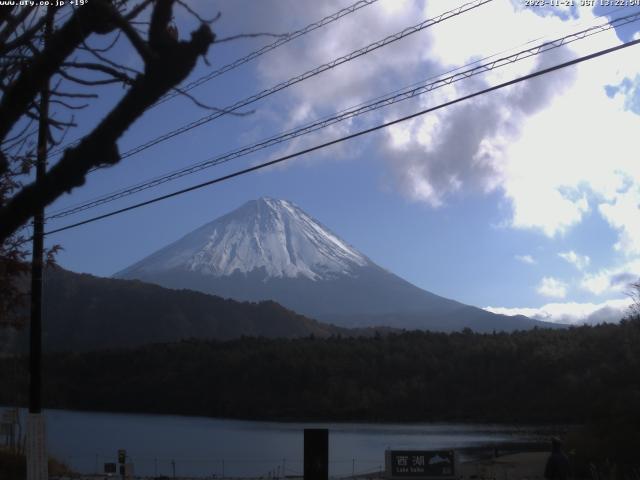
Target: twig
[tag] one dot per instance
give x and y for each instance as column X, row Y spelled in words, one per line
column 68, row 105
column 109, row 61
column 55, row 142
column 136, row 40
column 11, row 139
column 252, row 35
column 73, row 95
column 12, row 24
column 197, row 15
column 208, row 107
column 20, row 39
column 135, row 11
column 108, row 47
column 81, row 81
column 98, row 67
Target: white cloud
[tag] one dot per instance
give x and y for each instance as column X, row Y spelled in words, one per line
column 527, row 141
column 623, row 214
column 572, row 313
column 378, row 72
column 597, row 283
column 555, row 147
column 579, row 261
column 532, row 143
column 525, row 259
column 541, row 143
column 611, row 280
column 552, row 287
column 351, row 82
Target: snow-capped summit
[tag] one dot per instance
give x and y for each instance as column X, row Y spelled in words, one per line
column 271, row 250
column 267, row 235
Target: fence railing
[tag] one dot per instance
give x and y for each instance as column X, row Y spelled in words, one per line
column 222, row 468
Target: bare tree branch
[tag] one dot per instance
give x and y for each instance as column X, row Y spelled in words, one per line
column 18, row 144
column 12, row 24
column 136, row 40
column 55, row 143
column 69, row 105
column 169, row 64
column 102, row 58
column 135, row 11
column 211, row 108
column 57, row 124
column 18, row 135
column 104, row 49
column 73, row 95
column 44, row 64
column 24, row 37
column 5, row 13
column 98, row 67
column 159, row 36
column 82, row 81
column 197, row 15
column 251, row 35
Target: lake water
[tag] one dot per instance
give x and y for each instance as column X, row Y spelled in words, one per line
column 199, row 446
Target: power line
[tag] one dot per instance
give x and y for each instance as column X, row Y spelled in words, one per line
column 351, row 136
column 334, row 63
column 383, row 101
column 306, row 75
column 286, row 38
column 309, row 74
column 267, row 48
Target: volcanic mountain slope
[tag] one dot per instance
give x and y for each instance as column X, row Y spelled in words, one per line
column 270, row 249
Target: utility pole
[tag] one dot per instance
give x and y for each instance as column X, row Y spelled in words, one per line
column 37, row 467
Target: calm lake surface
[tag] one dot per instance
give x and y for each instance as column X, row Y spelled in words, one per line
column 199, row 446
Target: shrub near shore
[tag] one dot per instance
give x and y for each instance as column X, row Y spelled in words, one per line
column 13, row 466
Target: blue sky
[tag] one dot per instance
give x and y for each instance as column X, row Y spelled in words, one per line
column 524, row 200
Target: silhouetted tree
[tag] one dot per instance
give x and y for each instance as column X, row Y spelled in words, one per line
column 634, row 293
column 74, row 68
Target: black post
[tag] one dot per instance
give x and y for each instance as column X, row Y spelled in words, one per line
column 37, row 468
column 35, row 357
column 316, row 454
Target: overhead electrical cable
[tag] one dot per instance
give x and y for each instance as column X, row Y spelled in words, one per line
column 213, row 161
column 267, row 48
column 286, row 38
column 306, row 75
column 380, row 102
column 351, row 136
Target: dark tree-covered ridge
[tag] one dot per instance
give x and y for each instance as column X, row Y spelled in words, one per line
column 558, row 376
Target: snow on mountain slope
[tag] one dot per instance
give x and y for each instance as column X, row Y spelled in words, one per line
column 273, row 235
column 271, row 250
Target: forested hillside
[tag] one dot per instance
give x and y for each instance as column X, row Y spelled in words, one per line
column 83, row 312
column 564, row 376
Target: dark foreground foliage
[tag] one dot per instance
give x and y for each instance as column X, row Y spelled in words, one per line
column 585, row 375
column 13, row 466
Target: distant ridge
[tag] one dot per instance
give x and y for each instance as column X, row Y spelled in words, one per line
column 270, row 249
column 83, row 313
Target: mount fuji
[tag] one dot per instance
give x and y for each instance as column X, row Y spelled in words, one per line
column 270, row 249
